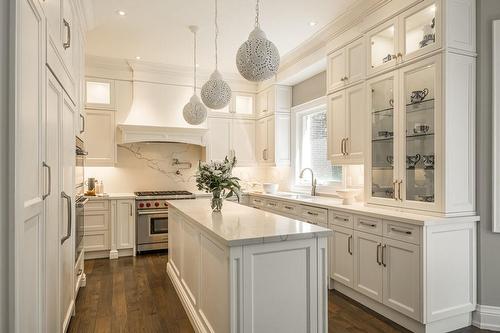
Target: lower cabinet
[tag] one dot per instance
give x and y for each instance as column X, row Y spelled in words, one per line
column 368, row 269
column 341, row 256
column 109, row 228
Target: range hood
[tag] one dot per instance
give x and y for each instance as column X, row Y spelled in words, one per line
column 148, row 133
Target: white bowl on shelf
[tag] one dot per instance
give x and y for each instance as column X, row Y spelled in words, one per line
column 270, row 188
column 347, row 196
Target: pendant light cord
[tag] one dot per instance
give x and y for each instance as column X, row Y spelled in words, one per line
column 194, row 86
column 216, row 36
column 257, row 24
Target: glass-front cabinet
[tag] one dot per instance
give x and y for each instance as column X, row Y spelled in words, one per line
column 409, row 35
column 404, row 112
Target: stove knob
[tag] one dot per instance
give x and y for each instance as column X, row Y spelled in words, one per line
column 165, row 204
column 141, row 205
column 148, row 204
column 157, row 204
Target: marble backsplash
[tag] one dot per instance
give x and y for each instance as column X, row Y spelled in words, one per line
column 150, row 166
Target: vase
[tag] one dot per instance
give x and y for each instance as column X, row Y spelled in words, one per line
column 216, row 201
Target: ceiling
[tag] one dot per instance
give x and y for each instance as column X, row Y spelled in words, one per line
column 157, row 30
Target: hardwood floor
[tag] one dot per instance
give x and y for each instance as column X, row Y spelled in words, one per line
column 136, row 295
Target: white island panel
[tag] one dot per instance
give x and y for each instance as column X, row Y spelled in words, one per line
column 263, row 282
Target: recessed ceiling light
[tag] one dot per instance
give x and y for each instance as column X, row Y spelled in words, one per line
column 312, row 23
column 138, row 58
column 121, row 12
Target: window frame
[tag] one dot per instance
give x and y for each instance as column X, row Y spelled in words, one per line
column 310, row 107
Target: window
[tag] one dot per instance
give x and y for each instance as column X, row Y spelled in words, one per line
column 312, row 145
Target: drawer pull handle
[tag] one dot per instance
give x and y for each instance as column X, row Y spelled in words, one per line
column 383, row 256
column 406, row 232
column 312, row 213
column 288, row 207
column 379, row 262
column 372, row 225
column 80, row 271
column 349, row 246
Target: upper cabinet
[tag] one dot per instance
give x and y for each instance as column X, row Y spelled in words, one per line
column 411, row 34
column 346, row 66
column 273, row 140
column 346, row 122
column 100, row 138
column 276, row 98
column 63, row 43
column 99, row 94
column 241, row 104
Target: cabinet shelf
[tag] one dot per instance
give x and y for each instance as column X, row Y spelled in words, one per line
column 410, row 136
column 383, row 110
column 383, row 139
column 383, row 168
column 420, row 168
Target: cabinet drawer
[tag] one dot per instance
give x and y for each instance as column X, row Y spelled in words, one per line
column 96, row 221
column 273, row 205
column 258, row 202
column 96, row 240
column 341, row 219
column 368, row 224
column 290, row 208
column 314, row 215
column 93, row 205
column 401, row 231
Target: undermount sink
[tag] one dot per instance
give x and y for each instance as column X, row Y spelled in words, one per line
column 293, row 195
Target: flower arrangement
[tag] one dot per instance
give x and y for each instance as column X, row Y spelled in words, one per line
column 216, row 178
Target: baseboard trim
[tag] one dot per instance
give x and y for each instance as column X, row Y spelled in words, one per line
column 190, row 310
column 486, row 317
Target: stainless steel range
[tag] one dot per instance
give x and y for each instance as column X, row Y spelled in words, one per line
column 152, row 218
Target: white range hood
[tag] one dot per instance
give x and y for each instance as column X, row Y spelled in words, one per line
column 147, row 133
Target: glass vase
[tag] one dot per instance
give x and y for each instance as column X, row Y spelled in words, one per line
column 216, row 201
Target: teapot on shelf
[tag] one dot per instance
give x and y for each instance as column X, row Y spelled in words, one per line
column 418, row 95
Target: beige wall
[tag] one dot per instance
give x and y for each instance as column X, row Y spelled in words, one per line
column 489, row 242
column 309, row 89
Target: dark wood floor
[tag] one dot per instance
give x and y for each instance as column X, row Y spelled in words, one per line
column 136, row 295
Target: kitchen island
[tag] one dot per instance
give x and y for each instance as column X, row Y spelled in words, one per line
column 246, row 270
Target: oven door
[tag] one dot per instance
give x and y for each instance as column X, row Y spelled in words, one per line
column 152, row 230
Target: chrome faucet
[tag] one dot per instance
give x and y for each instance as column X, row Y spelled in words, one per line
column 313, row 180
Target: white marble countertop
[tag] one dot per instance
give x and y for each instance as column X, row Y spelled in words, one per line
column 241, row 225
column 112, row 196
column 362, row 209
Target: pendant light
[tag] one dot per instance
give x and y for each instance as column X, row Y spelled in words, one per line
column 258, row 58
column 194, row 111
column 216, row 93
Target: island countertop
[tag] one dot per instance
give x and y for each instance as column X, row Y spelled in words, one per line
column 238, row 225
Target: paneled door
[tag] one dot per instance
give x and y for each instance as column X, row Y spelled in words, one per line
column 243, row 141
column 382, row 151
column 67, row 212
column 30, row 169
column 368, row 265
column 336, row 69
column 401, row 278
column 220, row 138
column 341, row 255
column 125, row 226
column 336, row 122
column 355, row 121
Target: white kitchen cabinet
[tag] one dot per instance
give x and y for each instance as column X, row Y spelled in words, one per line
column 63, row 39
column 346, row 66
column 100, row 93
column 341, row 256
column 401, row 277
column 273, row 140
column 219, row 142
column 277, row 98
column 109, row 228
column 231, row 137
column 241, row 104
column 125, row 224
column 346, row 113
column 368, row 269
column 100, row 138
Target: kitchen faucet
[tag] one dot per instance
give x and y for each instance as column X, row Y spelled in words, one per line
column 313, row 180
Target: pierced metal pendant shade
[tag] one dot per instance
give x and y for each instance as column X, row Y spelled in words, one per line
column 194, row 111
column 216, row 93
column 257, row 59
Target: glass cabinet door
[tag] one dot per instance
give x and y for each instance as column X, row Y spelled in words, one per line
column 382, row 106
column 382, row 46
column 419, row 154
column 420, row 29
